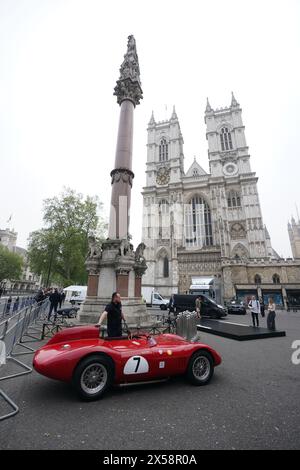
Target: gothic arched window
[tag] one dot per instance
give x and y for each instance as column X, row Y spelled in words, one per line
column 164, row 206
column 234, row 199
column 162, row 268
column 225, row 137
column 163, row 150
column 163, row 219
column 276, row 279
column 257, row 279
column 166, row 267
column 198, row 226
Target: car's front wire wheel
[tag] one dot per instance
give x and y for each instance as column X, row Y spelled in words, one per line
column 93, row 376
column 201, row 368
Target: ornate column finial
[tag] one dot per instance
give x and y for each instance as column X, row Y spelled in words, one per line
column 129, row 84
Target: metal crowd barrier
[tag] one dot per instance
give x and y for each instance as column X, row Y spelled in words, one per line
column 13, row 406
column 13, row 333
column 186, row 325
column 9, row 308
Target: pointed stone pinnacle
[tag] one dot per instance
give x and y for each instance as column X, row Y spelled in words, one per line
column 208, row 108
column 233, row 100
column 152, row 119
column 174, row 114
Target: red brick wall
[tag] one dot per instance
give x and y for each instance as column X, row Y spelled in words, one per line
column 122, row 284
column 92, row 285
column 138, row 286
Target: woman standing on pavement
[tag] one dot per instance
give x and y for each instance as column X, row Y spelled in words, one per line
column 271, row 314
column 198, row 304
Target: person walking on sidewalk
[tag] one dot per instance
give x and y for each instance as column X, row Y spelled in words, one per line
column 62, row 298
column 16, row 305
column 8, row 305
column 54, row 301
column 198, row 304
column 271, row 315
column 262, row 307
column 254, row 306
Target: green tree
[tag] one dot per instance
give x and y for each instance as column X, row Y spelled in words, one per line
column 10, row 264
column 58, row 251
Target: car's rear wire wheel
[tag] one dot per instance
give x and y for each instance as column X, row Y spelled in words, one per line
column 201, row 368
column 93, row 376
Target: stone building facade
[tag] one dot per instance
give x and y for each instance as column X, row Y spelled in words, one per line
column 209, row 224
column 29, row 281
column 294, row 235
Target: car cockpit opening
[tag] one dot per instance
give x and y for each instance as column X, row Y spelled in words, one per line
column 114, row 338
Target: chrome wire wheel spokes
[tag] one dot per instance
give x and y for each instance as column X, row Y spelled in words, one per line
column 93, row 378
column 201, row 368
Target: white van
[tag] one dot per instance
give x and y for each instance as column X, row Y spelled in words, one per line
column 75, row 294
column 154, row 299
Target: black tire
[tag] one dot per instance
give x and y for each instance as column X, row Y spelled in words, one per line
column 199, row 358
column 72, row 313
column 163, row 307
column 102, row 368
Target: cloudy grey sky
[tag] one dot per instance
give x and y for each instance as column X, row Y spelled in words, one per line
column 59, row 60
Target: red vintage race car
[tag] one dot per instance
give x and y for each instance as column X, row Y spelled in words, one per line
column 93, row 364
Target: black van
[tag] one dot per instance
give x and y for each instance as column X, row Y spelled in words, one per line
column 209, row 308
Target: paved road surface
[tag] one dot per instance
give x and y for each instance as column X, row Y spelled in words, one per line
column 253, row 402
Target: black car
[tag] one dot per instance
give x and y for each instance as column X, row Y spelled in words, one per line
column 68, row 312
column 209, row 308
column 236, row 308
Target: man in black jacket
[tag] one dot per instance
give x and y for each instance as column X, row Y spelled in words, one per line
column 54, row 298
column 114, row 315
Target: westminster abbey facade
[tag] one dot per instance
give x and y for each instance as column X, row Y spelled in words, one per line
column 210, row 225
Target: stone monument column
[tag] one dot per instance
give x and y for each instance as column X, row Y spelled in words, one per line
column 129, row 93
column 122, row 175
column 115, row 266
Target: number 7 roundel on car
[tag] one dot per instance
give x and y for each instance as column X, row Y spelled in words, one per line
column 136, row 365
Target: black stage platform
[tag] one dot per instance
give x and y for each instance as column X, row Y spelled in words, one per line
column 236, row 331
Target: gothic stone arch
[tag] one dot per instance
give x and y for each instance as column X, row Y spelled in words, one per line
column 161, row 254
column 239, row 251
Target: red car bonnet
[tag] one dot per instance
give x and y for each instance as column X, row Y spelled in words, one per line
column 73, row 333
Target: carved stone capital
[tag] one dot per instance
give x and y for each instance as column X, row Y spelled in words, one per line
column 140, row 269
column 123, row 174
column 128, row 90
column 92, row 265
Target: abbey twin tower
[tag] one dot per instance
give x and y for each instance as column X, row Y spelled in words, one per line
column 199, row 225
